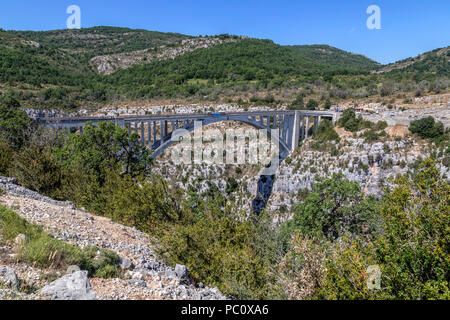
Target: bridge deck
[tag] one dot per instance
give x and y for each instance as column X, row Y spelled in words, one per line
column 185, row 116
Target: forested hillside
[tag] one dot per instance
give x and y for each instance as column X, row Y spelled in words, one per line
column 336, row 57
column 96, row 41
column 435, row 62
column 54, row 69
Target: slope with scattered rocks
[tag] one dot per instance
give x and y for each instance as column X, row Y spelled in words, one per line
column 145, row 276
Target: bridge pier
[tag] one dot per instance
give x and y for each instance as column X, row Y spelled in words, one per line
column 296, row 132
column 306, row 127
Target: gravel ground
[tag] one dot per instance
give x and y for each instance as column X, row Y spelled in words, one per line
column 147, row 278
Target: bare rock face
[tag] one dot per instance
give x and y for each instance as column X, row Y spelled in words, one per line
column 74, row 286
column 108, row 64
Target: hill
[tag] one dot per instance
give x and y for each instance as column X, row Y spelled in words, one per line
column 91, row 42
column 433, row 62
column 92, row 67
column 335, row 57
column 244, row 61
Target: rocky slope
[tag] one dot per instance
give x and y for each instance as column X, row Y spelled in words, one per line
column 145, row 276
column 108, row 64
column 371, row 164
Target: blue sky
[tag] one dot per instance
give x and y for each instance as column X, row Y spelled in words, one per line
column 408, row 27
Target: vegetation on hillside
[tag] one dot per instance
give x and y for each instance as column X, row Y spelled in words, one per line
column 324, row 251
column 54, row 71
column 336, row 57
column 428, row 128
column 41, row 249
column 101, row 40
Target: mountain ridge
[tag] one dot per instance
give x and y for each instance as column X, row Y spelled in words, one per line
column 94, row 66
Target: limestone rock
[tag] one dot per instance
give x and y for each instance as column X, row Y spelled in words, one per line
column 8, row 277
column 181, row 271
column 125, row 264
column 74, row 286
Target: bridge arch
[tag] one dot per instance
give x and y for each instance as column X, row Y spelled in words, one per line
column 190, row 127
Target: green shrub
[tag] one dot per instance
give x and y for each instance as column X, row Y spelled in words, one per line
column 36, row 168
column 349, row 121
column 143, row 203
column 312, row 104
column 6, row 158
column 298, row 103
column 45, row 251
column 15, row 125
column 411, row 250
column 428, row 128
column 221, row 247
column 334, row 207
column 325, row 132
column 372, row 136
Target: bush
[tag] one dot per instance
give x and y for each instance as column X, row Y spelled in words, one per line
column 428, row 128
column 312, row 104
column 36, row 168
column 6, row 158
column 346, row 271
column 349, row 121
column 372, row 136
column 298, row 103
column 144, row 203
column 301, row 271
column 411, row 251
column 14, row 125
column 325, row 132
column 334, row 207
column 221, row 247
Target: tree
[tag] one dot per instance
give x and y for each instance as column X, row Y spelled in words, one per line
column 312, row 104
column 413, row 251
column 349, row 121
column 298, row 103
column 428, row 128
column 333, row 207
column 14, row 123
column 102, row 147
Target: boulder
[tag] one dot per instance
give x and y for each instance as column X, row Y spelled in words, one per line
column 181, row 271
column 74, row 286
column 170, row 274
column 125, row 264
column 8, row 277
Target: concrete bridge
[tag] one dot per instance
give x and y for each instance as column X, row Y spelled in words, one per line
column 155, row 131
